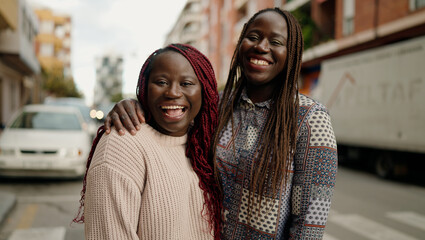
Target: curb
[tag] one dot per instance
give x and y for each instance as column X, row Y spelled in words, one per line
column 7, row 202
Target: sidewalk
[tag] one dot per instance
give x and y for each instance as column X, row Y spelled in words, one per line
column 7, row 202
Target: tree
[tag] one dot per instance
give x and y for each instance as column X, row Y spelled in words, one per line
column 56, row 84
column 116, row 97
column 311, row 33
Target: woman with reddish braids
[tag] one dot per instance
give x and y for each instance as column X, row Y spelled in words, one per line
column 275, row 150
column 159, row 183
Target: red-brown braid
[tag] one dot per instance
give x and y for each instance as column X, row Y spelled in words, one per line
column 80, row 215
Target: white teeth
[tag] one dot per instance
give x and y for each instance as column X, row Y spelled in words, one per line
column 172, row 107
column 259, row 62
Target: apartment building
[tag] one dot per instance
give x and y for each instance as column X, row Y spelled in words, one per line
column 225, row 23
column 53, row 42
column 19, row 66
column 331, row 28
column 354, row 26
column 109, row 74
column 187, row 28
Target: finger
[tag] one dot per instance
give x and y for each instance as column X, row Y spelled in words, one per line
column 117, row 123
column 131, row 113
column 119, row 117
column 128, row 124
column 140, row 115
column 107, row 124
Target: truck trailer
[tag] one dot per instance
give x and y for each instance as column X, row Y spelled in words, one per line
column 376, row 99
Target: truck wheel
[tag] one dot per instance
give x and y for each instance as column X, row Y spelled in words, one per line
column 384, row 166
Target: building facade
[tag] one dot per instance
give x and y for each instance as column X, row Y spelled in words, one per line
column 19, row 66
column 331, row 28
column 53, row 42
column 109, row 74
column 187, row 28
column 359, row 26
column 225, row 22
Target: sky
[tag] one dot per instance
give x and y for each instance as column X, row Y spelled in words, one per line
column 130, row 28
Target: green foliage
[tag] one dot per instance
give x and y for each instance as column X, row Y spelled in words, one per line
column 312, row 34
column 308, row 26
column 116, row 97
column 55, row 83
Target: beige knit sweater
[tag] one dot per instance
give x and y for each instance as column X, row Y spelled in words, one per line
column 143, row 187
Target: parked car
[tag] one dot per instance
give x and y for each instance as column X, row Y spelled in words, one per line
column 81, row 105
column 45, row 141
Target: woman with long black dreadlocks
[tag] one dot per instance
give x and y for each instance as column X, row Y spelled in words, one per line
column 159, row 184
column 274, row 148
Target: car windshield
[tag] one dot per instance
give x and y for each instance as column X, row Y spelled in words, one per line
column 47, row 120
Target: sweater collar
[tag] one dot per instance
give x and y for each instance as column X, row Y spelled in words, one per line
column 166, row 140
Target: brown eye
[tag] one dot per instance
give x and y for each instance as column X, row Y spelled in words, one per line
column 252, row 37
column 187, row 83
column 276, row 42
column 161, row 82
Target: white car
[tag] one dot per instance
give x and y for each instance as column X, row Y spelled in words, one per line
column 81, row 105
column 45, row 141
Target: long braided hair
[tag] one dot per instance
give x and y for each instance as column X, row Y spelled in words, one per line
column 200, row 135
column 270, row 170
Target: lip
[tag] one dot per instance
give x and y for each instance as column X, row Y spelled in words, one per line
column 259, row 58
column 175, row 118
column 257, row 67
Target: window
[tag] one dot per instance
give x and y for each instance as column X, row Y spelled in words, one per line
column 60, row 32
column 195, row 7
column 14, row 96
column 27, row 25
column 47, row 49
column 25, row 22
column 47, row 27
column 61, row 55
column 190, row 27
column 47, row 120
column 67, row 43
column 416, row 4
column 348, row 15
column 67, row 28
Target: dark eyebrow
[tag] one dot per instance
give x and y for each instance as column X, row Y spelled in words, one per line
column 274, row 34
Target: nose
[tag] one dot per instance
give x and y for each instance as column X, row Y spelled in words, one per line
column 263, row 45
column 174, row 91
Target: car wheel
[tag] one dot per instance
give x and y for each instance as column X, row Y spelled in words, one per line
column 384, row 166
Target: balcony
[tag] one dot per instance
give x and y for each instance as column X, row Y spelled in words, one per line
column 8, row 14
column 17, row 45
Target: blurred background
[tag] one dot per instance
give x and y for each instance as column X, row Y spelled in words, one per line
column 363, row 59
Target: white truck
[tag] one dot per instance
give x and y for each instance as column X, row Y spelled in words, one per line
column 376, row 99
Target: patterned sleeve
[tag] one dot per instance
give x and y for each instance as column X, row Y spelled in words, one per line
column 315, row 168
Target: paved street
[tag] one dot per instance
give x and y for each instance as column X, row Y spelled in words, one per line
column 364, row 207
column 44, row 210
column 367, row 207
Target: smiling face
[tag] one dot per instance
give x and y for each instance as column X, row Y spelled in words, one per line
column 174, row 93
column 263, row 51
